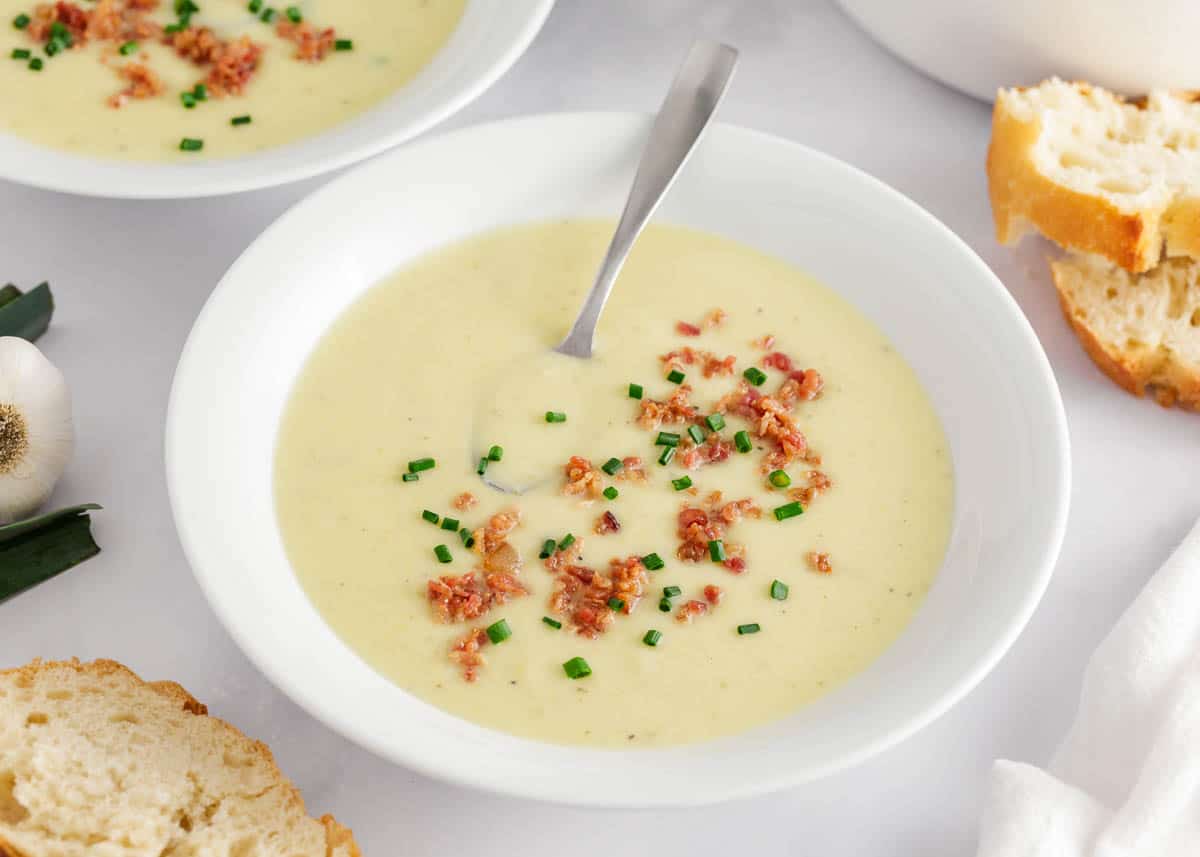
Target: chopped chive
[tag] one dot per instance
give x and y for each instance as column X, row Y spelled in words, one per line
column 52, row 47
column 268, row 15
column 127, row 48
column 716, row 550
column 240, row 120
column 431, row 517
column 566, row 542
column 21, row 54
column 173, row 28
column 696, row 434
column 481, row 467
column 742, row 441
column 450, row 524
column 343, row 45
column 548, row 547
column 553, row 623
column 35, row 64
column 410, row 477
column 611, row 493
column 788, row 510
column 293, row 13
column 200, row 92
column 675, row 376
column 442, row 553
column 21, row 21
column 652, row 637
column 653, row 561
column 555, row 417
column 667, row 454
column 749, row 628
column 612, row 466
column 755, row 376
column 635, row 391
column 498, row 632
column 682, row 483
column 715, row 422
column 577, row 668
column 495, row 453
column 255, row 6
column 468, row 539
column 191, row 144
column 666, row 438
column 664, row 605
column 779, row 590
column 779, row 478
column 419, row 464
column 615, row 603
column 672, row 591
column 189, row 100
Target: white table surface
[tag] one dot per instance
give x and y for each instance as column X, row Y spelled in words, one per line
column 130, row 277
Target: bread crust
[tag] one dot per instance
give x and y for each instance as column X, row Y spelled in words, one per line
column 1023, row 198
column 1170, row 385
column 336, row 835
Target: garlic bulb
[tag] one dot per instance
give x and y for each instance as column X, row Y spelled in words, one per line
column 36, row 437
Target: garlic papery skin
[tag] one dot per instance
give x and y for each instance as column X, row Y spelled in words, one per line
column 36, row 435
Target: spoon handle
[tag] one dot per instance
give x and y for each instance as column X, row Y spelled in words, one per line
column 685, row 113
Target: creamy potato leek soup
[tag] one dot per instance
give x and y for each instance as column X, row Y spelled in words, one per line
column 181, row 79
column 738, row 503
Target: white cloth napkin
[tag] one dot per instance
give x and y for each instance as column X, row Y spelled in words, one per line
column 1126, row 780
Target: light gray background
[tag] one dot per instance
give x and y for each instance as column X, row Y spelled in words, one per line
column 130, row 277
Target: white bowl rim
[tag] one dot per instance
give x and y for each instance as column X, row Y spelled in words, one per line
column 1052, row 538
column 43, row 167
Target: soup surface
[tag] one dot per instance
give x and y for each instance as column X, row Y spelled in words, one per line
column 755, row 613
column 116, row 80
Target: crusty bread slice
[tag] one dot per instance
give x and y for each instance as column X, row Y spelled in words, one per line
column 1098, row 173
column 1143, row 330
column 96, row 762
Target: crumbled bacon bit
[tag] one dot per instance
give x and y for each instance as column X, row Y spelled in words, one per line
column 119, row 20
column 690, row 610
column 465, row 652
column 714, row 365
column 469, row 596
column 198, row 44
column 464, row 501
column 234, row 67
column 457, row 599
column 632, row 469
column 676, row 409
column 582, row 594
column 312, row 44
column 143, row 83
column 583, row 480
column 713, row 594
column 629, row 580
column 766, row 343
column 607, row 523
column 697, row 526
column 804, row 385
column 685, row 329
column 45, row 15
column 820, row 562
column 493, row 535
column 713, row 451
column 715, row 317
column 778, row 360
column 818, row 483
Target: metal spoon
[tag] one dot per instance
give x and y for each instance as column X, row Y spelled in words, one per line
column 690, row 104
column 686, row 112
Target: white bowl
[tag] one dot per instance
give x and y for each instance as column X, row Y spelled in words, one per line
column 978, row 46
column 490, row 38
column 939, row 304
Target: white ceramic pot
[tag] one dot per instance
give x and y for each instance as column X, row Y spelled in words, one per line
column 977, row 46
